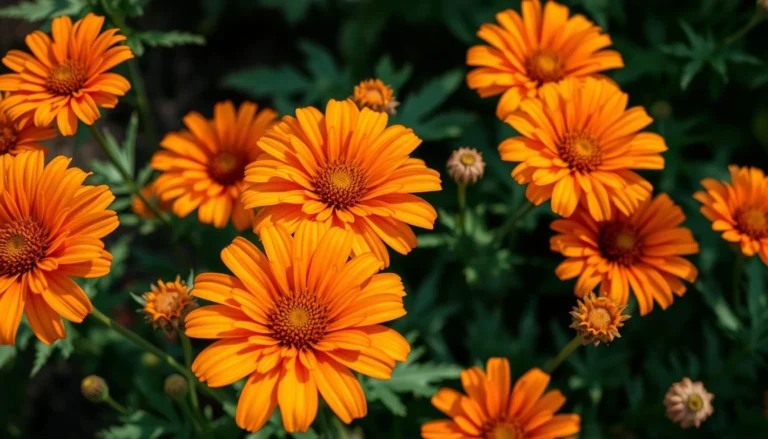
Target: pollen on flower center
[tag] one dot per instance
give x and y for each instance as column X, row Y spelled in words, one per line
column 501, row 429
column 468, row 159
column 298, row 320
column 695, row 403
column 167, row 302
column 65, row 79
column 340, row 185
column 752, row 221
column 22, row 244
column 599, row 318
column 581, row 151
column 227, row 168
column 545, row 65
column 618, row 242
column 374, row 96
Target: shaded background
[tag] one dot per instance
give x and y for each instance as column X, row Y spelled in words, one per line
column 468, row 299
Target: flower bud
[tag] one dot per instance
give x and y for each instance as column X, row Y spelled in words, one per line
column 466, row 166
column 149, row 360
column 94, row 388
column 688, row 403
column 176, row 386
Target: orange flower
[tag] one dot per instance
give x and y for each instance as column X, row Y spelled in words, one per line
column 150, row 193
column 167, row 304
column 296, row 322
column 17, row 136
column 491, row 411
column 739, row 209
column 598, row 319
column 376, row 95
column 66, row 78
column 642, row 251
column 51, row 228
column 203, row 167
column 343, row 169
column 539, row 48
column 578, row 146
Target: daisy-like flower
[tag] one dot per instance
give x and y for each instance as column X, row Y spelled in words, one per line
column 346, row 169
column 167, row 304
column 490, row 411
column 739, row 209
column 598, row 319
column 150, row 193
column 642, row 251
column 579, row 145
column 295, row 322
column 51, row 229
column 18, row 135
column 541, row 47
column 688, row 403
column 203, row 167
column 66, row 78
column 466, row 166
column 376, row 95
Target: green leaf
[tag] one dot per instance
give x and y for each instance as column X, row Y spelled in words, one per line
column 428, row 98
column 156, row 38
column 139, row 425
column 446, row 125
column 387, row 72
column 7, row 354
column 420, row 379
column 43, row 9
column 389, row 398
column 43, row 353
column 690, row 70
column 259, row 82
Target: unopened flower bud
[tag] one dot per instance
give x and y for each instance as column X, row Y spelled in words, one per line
column 176, row 386
column 94, row 388
column 661, row 110
column 149, row 360
column 466, row 166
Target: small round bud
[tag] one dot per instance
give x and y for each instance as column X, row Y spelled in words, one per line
column 94, row 388
column 150, row 360
column 661, row 110
column 176, row 386
column 466, row 166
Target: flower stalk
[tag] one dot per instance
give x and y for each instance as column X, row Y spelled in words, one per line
column 563, row 354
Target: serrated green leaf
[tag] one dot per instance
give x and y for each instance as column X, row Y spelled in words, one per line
column 169, row 39
column 139, row 425
column 427, row 99
column 389, row 398
column 7, row 354
column 43, row 353
column 43, row 9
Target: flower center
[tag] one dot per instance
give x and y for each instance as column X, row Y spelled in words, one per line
column 168, row 303
column 752, row 221
column 619, row 242
column 695, row 403
column 298, row 320
column 7, row 134
column 65, row 79
column 22, row 244
column 581, row 151
column 340, row 185
column 501, row 429
column 227, row 168
column 545, row 65
column 374, row 96
column 467, row 159
column 599, row 318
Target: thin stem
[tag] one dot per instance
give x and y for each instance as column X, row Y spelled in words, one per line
column 462, row 196
column 190, row 414
column 325, row 427
column 339, row 427
column 134, row 188
column 116, row 405
column 738, row 270
column 149, row 347
column 510, row 224
column 187, row 346
column 757, row 18
column 564, row 353
column 135, row 77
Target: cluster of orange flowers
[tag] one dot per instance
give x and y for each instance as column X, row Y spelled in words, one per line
column 329, row 193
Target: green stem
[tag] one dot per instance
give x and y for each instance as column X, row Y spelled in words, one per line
column 149, row 347
column 134, row 188
column 190, row 414
column 738, row 270
column 511, row 223
column 757, row 18
column 462, row 195
column 564, row 353
column 339, row 427
column 135, row 78
column 325, row 427
column 116, row 405
column 187, row 346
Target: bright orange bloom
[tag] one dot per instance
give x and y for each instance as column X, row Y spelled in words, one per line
column 296, row 322
column 642, row 251
column 17, row 135
column 578, row 146
column 344, row 169
column 167, row 304
column 376, row 95
column 490, row 411
column 150, row 193
column 739, row 209
column 543, row 46
column 66, row 78
column 203, row 167
column 51, row 229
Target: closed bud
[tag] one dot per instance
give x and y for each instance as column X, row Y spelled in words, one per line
column 466, row 166
column 149, row 360
column 94, row 388
column 176, row 386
